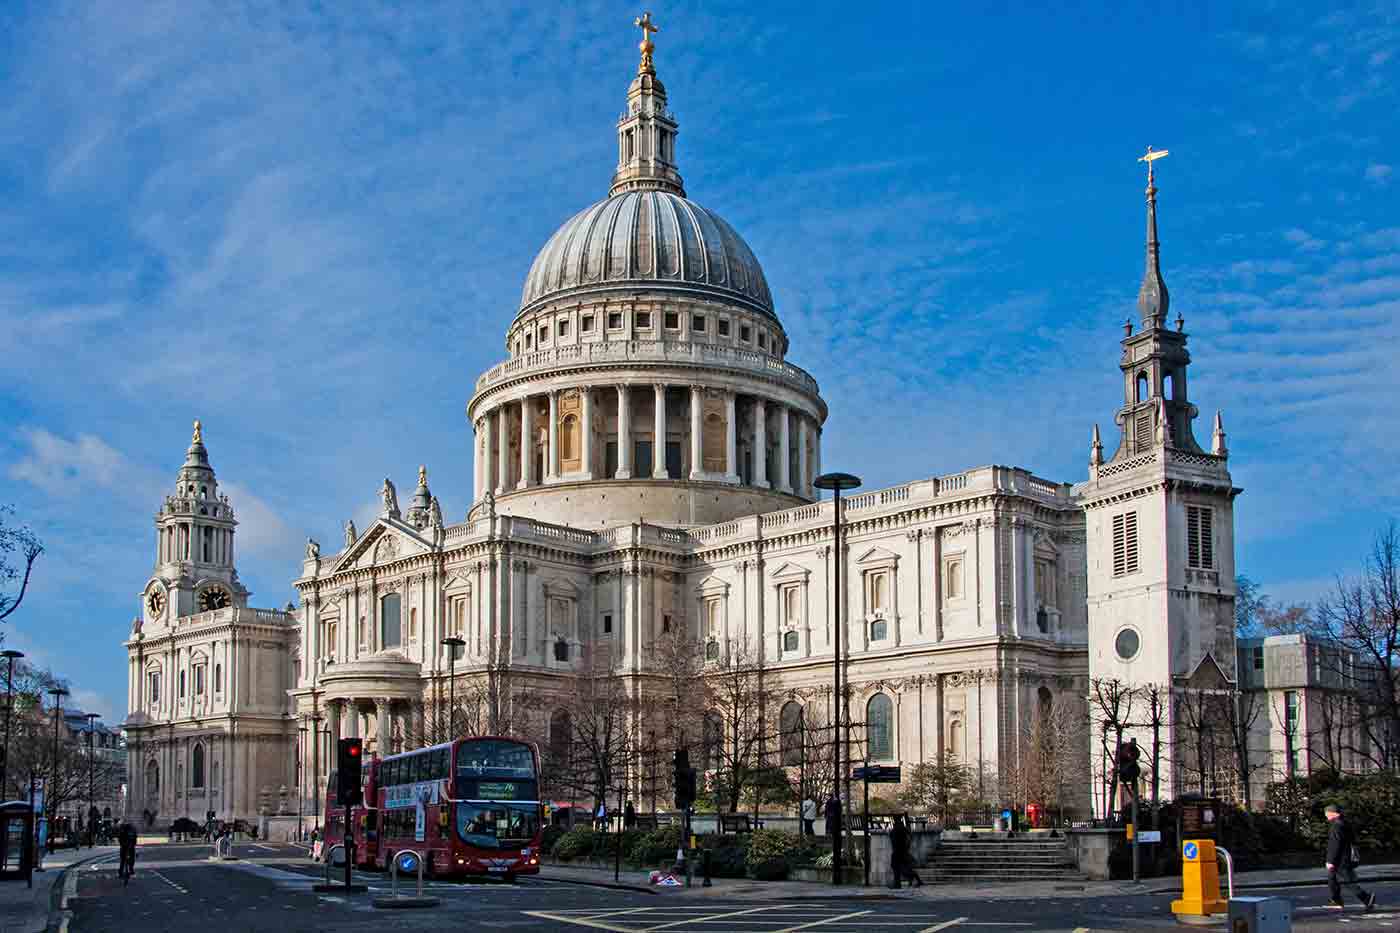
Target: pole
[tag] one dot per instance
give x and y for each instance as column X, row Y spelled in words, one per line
column 301, row 782
column 349, row 847
column 58, row 694
column 92, row 802
column 1136, row 833
column 316, row 767
column 9, row 709
column 453, row 643
column 836, row 679
column 622, row 821
column 866, row 782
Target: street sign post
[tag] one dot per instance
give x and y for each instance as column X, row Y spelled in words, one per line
column 877, row 774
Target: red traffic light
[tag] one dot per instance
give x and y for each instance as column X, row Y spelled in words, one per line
column 353, row 751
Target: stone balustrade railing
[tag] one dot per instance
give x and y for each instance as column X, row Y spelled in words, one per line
column 648, row 351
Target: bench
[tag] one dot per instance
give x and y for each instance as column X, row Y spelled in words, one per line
column 738, row 823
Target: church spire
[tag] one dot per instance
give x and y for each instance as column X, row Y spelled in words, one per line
column 646, row 132
column 1152, row 296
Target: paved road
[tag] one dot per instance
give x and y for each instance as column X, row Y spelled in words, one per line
column 269, row 889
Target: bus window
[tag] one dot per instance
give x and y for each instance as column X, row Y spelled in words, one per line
column 440, row 758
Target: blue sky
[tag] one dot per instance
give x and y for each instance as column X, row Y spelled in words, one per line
column 308, row 226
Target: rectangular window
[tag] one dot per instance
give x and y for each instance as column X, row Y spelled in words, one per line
column 672, row 320
column 182, row 685
column 529, row 341
column 585, row 324
column 697, row 323
column 641, row 459
column 723, row 328
column 331, row 631
column 666, row 622
column 762, row 340
column 1045, row 583
column 876, row 591
column 614, row 320
column 712, row 619
column 563, row 328
column 544, row 334
column 153, row 686
column 1258, row 657
column 792, row 607
column 1125, row 544
column 199, row 680
column 744, row 333
column 1200, row 545
column 607, row 623
column 643, row 320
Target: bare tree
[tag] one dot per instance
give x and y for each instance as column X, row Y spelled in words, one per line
column 1156, row 701
column 737, row 684
column 1110, row 713
column 15, row 538
column 601, row 713
column 1362, row 615
column 1203, row 715
column 1241, row 713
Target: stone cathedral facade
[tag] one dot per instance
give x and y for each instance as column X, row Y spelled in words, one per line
column 644, row 465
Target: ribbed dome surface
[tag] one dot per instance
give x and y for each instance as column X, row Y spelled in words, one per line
column 648, row 238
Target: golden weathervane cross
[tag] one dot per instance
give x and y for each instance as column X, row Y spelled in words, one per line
column 647, row 27
column 1152, row 156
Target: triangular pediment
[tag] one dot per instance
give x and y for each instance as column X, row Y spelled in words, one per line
column 384, row 542
column 878, row 555
column 712, row 586
column 789, row 571
column 1208, row 675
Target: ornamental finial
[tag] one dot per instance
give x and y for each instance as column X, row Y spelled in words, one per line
column 422, row 476
column 198, row 435
column 647, row 27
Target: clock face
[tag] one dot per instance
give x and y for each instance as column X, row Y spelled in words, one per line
column 213, row 598
column 155, row 603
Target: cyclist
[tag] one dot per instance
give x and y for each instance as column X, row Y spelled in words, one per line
column 126, row 839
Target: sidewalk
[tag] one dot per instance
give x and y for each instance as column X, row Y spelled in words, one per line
column 26, row 910
column 748, row 889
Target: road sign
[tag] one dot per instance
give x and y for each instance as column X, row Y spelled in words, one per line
column 1150, row 835
column 877, row 774
column 1189, row 852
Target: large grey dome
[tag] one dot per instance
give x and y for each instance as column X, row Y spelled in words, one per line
column 648, row 238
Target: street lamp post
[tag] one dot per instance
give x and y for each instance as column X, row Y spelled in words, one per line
column 58, row 693
column 453, row 643
column 92, row 801
column 12, row 655
column 316, row 769
column 301, row 782
column 837, row 483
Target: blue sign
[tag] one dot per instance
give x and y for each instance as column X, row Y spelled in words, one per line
column 1190, row 852
column 408, row 862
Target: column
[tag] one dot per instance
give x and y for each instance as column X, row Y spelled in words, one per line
column 783, row 479
column 697, row 461
column 476, row 460
column 731, row 439
column 526, row 444
column 804, row 482
column 551, row 456
column 586, row 431
column 658, row 433
column 624, row 433
column 760, row 444
column 333, row 708
column 816, row 452
column 488, row 430
column 381, row 707
column 502, row 450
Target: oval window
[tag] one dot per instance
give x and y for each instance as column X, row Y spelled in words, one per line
column 1127, row 644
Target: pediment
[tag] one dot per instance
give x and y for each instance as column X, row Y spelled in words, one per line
column 1208, row 675
column 458, row 581
column 712, row 586
column 1045, row 546
column 386, row 541
column 790, row 573
column 879, row 556
column 560, row 586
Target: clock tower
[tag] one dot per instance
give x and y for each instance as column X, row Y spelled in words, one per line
column 194, row 569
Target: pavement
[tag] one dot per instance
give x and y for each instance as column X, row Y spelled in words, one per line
column 27, row 910
column 268, row 888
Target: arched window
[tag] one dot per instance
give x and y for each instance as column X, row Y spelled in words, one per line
column 712, row 736
column 879, row 729
column 197, row 766
column 413, row 624
column 152, row 781
column 1169, row 386
column 790, row 742
column 879, row 630
column 568, row 437
column 561, row 734
column 1143, row 393
column 390, row 621
column 791, row 642
column 218, row 678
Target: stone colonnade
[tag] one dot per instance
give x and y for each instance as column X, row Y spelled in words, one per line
column 565, row 447
column 389, row 724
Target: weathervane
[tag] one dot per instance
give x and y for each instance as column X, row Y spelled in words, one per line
column 1152, row 156
column 645, row 24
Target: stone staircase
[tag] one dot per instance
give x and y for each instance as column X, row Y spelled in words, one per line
column 995, row 858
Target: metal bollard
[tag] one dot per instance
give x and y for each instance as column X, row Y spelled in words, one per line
column 330, row 859
column 394, row 873
column 1222, row 853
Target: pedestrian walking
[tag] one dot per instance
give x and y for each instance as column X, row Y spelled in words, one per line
column 629, row 816
column 1342, row 859
column 833, row 817
column 901, row 856
column 600, row 819
column 809, row 817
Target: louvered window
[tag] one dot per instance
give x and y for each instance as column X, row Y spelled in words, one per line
column 1125, row 544
column 1143, row 426
column 1200, row 546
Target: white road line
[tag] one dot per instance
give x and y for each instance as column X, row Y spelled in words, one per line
column 824, row 922
column 171, row 883
column 946, row 924
column 579, row 921
column 710, row 917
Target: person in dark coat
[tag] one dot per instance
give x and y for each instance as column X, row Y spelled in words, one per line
column 1341, row 867
column 901, row 858
column 832, row 812
column 629, row 816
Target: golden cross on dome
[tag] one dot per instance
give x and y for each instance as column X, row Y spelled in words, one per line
column 647, row 27
column 1152, row 156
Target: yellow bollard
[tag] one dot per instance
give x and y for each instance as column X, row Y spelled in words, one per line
column 1200, row 881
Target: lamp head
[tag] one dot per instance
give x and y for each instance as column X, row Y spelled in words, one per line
column 837, row 481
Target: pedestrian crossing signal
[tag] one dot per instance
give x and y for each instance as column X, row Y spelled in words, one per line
column 348, row 760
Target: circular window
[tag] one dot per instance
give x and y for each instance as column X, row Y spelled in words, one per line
column 1127, row 644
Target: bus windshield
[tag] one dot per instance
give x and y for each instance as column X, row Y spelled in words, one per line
column 495, row 758
column 497, row 825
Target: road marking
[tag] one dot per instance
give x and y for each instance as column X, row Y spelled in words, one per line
column 944, row 925
column 579, row 921
column 710, row 917
column 171, row 883
column 818, row 923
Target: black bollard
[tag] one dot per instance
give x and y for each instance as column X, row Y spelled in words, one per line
column 705, row 859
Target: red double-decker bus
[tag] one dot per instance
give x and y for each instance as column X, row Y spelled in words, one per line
column 364, row 817
column 470, row 807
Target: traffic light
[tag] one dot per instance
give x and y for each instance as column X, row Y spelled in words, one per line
column 684, row 779
column 1128, row 768
column 348, row 758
